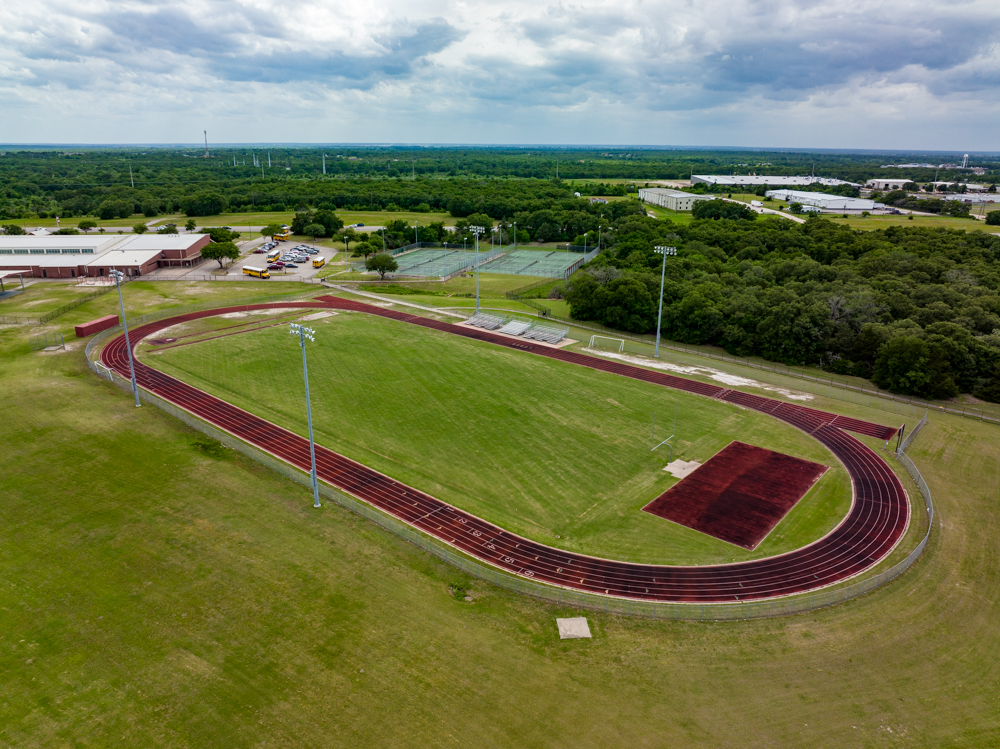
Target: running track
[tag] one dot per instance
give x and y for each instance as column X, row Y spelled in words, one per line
column 874, row 525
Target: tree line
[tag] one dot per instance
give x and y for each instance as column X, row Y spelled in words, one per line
column 916, row 310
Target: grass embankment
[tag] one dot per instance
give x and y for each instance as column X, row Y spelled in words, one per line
column 545, row 449
column 162, row 591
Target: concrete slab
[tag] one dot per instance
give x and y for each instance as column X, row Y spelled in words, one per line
column 573, row 629
column 681, row 469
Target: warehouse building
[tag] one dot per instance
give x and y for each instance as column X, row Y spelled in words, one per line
column 753, row 180
column 675, row 200
column 73, row 256
column 887, row 184
column 824, row 201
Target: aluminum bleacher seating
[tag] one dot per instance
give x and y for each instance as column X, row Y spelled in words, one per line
column 486, row 321
column 515, row 327
column 547, row 334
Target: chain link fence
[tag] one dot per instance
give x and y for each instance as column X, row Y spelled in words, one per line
column 551, row 594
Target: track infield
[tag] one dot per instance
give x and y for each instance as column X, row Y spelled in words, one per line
column 739, row 495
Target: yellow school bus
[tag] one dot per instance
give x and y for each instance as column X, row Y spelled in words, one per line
column 319, row 261
column 249, row 270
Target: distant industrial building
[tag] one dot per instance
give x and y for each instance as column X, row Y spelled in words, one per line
column 73, row 256
column 675, row 200
column 753, row 180
column 887, row 184
column 824, row 201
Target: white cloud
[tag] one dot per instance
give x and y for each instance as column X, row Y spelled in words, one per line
column 856, row 73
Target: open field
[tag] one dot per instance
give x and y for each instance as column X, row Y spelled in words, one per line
column 71, row 223
column 374, row 218
column 167, row 592
column 473, row 425
column 45, row 296
column 682, row 218
column 881, row 222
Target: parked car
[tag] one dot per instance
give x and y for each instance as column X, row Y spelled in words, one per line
column 312, row 251
column 291, row 265
column 274, row 266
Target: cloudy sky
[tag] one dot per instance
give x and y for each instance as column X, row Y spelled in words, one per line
column 906, row 74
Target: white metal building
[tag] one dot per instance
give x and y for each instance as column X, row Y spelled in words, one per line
column 887, row 184
column 675, row 200
column 824, row 201
column 747, row 180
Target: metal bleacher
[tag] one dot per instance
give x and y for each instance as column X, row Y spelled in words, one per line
column 486, row 321
column 511, row 326
column 546, row 334
column 515, row 327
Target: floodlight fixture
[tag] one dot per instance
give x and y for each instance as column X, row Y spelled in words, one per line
column 665, row 251
column 118, row 276
column 309, row 334
column 477, row 230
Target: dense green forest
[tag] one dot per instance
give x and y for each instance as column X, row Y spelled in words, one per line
column 114, row 183
column 916, row 310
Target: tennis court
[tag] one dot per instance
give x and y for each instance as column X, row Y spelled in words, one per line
column 533, row 263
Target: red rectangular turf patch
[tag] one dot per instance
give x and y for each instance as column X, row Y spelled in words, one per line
column 739, row 495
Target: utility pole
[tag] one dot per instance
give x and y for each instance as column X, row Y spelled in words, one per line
column 268, row 159
column 307, row 333
column 324, row 163
column 117, row 275
column 477, row 230
column 206, row 143
column 131, row 178
column 659, row 315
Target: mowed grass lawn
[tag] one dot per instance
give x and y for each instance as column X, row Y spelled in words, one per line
column 545, row 449
column 161, row 591
column 376, row 218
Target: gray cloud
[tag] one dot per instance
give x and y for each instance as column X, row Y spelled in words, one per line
column 593, row 61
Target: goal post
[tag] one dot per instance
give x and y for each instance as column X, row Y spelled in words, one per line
column 619, row 343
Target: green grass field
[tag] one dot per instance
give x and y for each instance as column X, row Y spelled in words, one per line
column 545, row 449
column 869, row 223
column 375, row 218
column 160, row 591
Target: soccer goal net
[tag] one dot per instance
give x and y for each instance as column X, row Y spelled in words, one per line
column 603, row 341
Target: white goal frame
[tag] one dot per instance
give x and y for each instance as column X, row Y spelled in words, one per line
column 621, row 341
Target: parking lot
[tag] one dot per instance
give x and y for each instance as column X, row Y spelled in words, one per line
column 294, row 263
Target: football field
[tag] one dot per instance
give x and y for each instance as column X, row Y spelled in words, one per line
column 545, row 449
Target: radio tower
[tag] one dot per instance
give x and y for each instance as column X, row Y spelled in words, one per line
column 206, row 143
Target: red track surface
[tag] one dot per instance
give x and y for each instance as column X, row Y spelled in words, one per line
column 739, row 494
column 875, row 523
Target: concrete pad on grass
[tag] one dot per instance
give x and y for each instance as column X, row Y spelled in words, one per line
column 680, row 469
column 573, row 629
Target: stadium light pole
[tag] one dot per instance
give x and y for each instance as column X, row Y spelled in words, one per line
column 660, row 250
column 118, row 276
column 477, row 230
column 303, row 333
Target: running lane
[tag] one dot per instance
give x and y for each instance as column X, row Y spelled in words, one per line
column 875, row 523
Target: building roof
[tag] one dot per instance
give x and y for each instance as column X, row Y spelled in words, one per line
column 161, row 242
column 674, row 193
column 753, row 179
column 124, row 258
column 94, row 242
